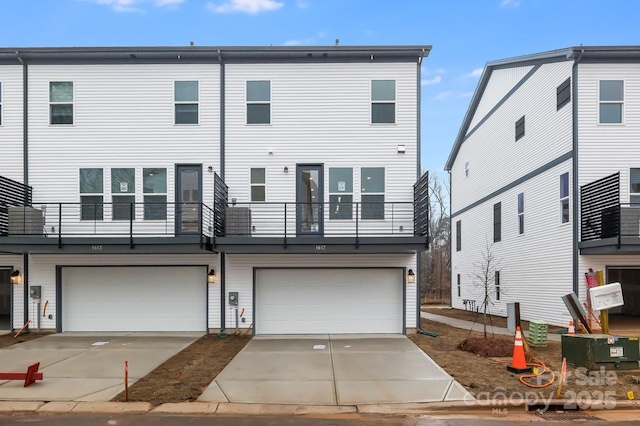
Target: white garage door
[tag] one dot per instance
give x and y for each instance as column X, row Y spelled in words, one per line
column 320, row 301
column 134, row 298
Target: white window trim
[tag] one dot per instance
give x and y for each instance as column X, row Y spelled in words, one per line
column 567, row 198
column 89, row 194
column 624, row 84
column 143, row 194
column 73, row 104
column 395, row 102
column 133, row 194
column 372, row 193
column 251, row 184
column 353, row 185
column 185, row 103
column 247, row 103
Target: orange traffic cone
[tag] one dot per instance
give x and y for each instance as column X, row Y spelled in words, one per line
column 518, row 363
column 572, row 329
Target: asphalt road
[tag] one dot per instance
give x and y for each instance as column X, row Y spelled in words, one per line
column 355, row 420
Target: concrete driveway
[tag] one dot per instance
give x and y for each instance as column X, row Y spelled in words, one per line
column 87, row 367
column 332, row 370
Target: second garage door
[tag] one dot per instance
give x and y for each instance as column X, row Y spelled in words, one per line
column 323, row 301
column 134, row 298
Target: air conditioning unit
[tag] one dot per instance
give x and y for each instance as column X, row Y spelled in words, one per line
column 24, row 220
column 238, row 222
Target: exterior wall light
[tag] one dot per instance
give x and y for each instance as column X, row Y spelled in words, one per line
column 411, row 277
column 286, row 169
column 14, row 277
column 211, row 276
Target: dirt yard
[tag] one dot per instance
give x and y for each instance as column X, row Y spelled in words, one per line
column 187, row 374
column 488, row 378
column 8, row 339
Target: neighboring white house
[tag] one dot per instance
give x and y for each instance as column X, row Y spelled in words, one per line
column 543, row 170
column 206, row 188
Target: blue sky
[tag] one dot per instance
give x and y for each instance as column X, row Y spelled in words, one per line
column 465, row 34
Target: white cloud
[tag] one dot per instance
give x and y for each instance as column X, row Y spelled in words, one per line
column 475, row 73
column 442, row 96
column 511, row 3
column 136, row 5
column 306, row 41
column 428, row 81
column 251, row 7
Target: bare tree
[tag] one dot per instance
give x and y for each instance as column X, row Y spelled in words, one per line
column 435, row 274
column 483, row 278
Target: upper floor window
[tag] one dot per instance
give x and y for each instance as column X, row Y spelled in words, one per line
column 563, row 94
column 458, row 284
column 372, row 183
column 459, row 235
column 520, row 128
column 340, row 193
column 91, row 194
column 186, row 102
column 154, row 188
column 61, row 102
column 123, row 188
column 634, row 186
column 258, row 184
column 466, row 169
column 497, row 222
column 611, row 101
column 258, row 102
column 383, row 101
column 521, row 213
column 564, row 197
column 496, row 281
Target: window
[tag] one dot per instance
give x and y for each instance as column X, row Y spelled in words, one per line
column 91, row 194
column 611, row 100
column 372, row 183
column 154, row 187
column 563, row 94
column 258, row 102
column 564, row 197
column 186, row 102
column 520, row 128
column 123, row 182
column 466, row 169
column 459, row 286
column 383, row 101
column 496, row 281
column 61, row 102
column 634, row 186
column 497, row 222
column 459, row 235
column 258, row 185
column 521, row 213
column 340, row 193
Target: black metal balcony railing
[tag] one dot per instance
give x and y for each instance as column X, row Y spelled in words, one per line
column 600, row 209
column 12, row 194
column 110, row 219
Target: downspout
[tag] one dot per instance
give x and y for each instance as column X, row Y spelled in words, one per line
column 450, row 246
column 223, row 260
column 576, row 199
column 25, row 175
column 418, row 173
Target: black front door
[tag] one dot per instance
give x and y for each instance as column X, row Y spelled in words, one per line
column 188, row 199
column 5, row 299
column 309, row 199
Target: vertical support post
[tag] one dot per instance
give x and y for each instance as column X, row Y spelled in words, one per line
column 126, row 381
column 285, row 225
column 357, row 224
column 604, row 313
column 60, row 223
column 131, row 224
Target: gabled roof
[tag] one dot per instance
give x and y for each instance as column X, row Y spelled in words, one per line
column 215, row 53
column 576, row 53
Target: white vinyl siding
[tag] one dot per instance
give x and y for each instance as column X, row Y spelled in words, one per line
column 240, row 274
column 11, row 128
column 500, row 159
column 124, row 118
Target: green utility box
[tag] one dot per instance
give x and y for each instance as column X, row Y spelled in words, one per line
column 538, row 334
column 594, row 351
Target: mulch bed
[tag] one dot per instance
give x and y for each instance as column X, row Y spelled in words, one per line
column 489, row 347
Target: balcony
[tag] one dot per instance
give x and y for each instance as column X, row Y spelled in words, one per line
column 606, row 225
column 267, row 227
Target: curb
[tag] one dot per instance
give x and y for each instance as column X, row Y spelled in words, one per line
column 229, row 408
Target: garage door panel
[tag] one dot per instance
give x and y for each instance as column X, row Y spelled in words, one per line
column 134, row 299
column 320, row 301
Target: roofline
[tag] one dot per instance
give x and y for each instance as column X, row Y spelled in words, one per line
column 575, row 53
column 214, row 52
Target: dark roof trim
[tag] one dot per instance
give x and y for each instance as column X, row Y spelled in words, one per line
column 581, row 53
column 215, row 53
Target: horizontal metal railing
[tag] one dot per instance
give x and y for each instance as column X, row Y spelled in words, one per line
column 283, row 219
column 110, row 219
